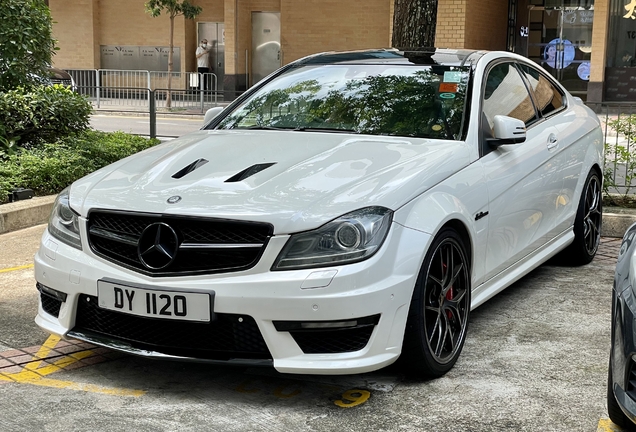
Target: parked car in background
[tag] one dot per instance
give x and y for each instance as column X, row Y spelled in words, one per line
column 349, row 210
column 59, row 76
column 56, row 76
column 621, row 381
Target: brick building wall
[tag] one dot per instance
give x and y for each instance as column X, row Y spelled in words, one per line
column 472, row 24
column 76, row 27
column 451, row 24
column 486, row 24
column 323, row 25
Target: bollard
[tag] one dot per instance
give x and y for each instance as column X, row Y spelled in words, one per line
column 153, row 113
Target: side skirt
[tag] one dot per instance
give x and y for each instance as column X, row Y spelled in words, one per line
column 521, row 268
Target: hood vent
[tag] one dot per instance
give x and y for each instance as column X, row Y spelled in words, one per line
column 187, row 170
column 248, row 172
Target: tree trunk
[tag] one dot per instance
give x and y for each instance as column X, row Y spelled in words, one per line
column 414, row 23
column 169, row 96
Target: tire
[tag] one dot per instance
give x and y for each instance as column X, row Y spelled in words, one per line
column 587, row 224
column 616, row 414
column 438, row 315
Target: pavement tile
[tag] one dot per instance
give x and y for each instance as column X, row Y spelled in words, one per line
column 11, row 353
column 68, row 349
column 63, row 343
column 11, row 370
column 77, row 356
column 22, row 359
column 32, row 350
column 5, row 363
column 76, row 365
column 85, row 346
column 93, row 360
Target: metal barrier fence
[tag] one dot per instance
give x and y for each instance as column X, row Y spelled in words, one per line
column 129, row 88
column 139, row 99
column 619, row 128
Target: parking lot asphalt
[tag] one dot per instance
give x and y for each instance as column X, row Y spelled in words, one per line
column 535, row 360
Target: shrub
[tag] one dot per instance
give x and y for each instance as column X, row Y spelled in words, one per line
column 50, row 168
column 619, row 171
column 43, row 114
column 26, row 42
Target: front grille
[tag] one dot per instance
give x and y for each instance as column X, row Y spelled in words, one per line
column 333, row 341
column 65, row 82
column 50, row 304
column 227, row 337
column 203, row 246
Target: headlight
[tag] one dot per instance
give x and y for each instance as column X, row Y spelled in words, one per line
column 64, row 222
column 353, row 237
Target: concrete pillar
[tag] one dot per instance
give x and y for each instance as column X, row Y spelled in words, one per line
column 599, row 51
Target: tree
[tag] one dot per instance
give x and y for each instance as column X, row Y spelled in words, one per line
column 414, row 23
column 26, row 43
column 172, row 8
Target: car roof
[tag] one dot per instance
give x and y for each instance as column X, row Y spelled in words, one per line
column 416, row 56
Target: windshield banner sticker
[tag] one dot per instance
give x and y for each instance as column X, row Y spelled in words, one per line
column 452, row 77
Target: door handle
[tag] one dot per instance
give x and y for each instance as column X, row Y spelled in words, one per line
column 553, row 142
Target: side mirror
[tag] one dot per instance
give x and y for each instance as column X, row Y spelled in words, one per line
column 211, row 113
column 507, row 130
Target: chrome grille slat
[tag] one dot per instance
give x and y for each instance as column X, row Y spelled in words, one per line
column 122, row 238
column 220, row 246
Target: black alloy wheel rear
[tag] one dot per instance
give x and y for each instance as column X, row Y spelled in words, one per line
column 587, row 224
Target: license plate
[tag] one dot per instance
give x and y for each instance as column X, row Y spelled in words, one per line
column 165, row 304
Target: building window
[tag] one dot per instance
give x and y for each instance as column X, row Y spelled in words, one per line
column 621, row 48
column 620, row 71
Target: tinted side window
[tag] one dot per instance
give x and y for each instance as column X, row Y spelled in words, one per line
column 506, row 94
column 547, row 96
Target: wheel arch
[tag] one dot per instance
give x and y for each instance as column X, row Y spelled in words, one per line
column 460, row 228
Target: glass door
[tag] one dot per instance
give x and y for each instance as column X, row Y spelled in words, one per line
column 560, row 40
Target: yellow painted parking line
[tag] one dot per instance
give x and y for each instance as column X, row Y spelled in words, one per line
column 606, row 425
column 6, row 270
column 34, row 373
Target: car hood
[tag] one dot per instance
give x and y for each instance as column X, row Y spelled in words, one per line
column 313, row 177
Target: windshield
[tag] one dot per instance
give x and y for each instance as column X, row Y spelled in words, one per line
column 414, row 101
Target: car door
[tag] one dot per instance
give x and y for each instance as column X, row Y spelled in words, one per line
column 551, row 104
column 523, row 179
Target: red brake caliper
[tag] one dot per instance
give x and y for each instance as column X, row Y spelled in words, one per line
column 449, row 296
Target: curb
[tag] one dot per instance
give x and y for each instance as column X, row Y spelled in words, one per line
column 35, row 211
column 27, row 213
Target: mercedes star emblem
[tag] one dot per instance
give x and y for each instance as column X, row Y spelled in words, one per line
column 158, row 246
column 174, row 199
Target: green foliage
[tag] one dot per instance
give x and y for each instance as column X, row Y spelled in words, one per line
column 43, row 114
column 50, row 168
column 26, row 43
column 620, row 160
column 173, row 8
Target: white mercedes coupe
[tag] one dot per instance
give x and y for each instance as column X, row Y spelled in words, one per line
column 346, row 212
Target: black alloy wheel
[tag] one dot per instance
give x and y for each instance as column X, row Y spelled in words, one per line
column 587, row 225
column 438, row 316
column 592, row 215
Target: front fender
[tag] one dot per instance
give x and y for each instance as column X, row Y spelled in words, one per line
column 463, row 199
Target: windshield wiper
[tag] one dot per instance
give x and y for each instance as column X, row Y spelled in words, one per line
column 319, row 129
column 260, row 127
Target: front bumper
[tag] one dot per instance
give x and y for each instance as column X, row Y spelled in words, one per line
column 623, row 357
column 378, row 287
